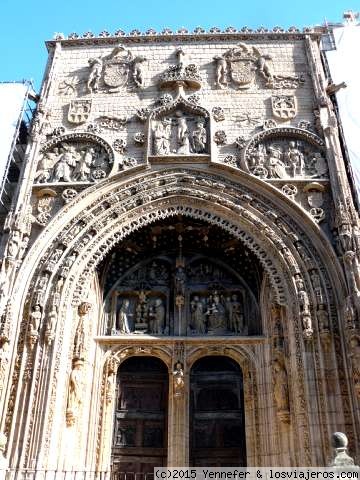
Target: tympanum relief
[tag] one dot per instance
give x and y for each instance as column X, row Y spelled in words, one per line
column 177, row 294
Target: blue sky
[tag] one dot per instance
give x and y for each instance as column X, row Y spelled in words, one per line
column 25, row 25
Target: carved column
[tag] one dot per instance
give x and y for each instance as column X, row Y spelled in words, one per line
column 178, row 420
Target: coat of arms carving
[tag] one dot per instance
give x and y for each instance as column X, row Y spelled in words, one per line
column 115, row 70
column 79, row 111
column 284, row 106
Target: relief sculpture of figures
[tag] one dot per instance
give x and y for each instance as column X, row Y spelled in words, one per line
column 96, row 66
column 68, row 162
column 282, row 158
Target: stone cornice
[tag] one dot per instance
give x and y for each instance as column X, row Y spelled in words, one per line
column 238, row 35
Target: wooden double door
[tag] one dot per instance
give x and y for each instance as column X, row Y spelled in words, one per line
column 216, row 420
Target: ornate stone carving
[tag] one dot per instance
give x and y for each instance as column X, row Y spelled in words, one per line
column 218, row 114
column 68, row 194
column 183, row 72
column 354, row 344
column 284, row 106
column 290, row 190
column 68, row 86
column 238, row 67
column 139, row 138
column 45, row 203
column 112, row 123
column 282, row 156
column 220, row 137
column 115, row 70
column 79, row 111
column 73, row 161
column 120, row 145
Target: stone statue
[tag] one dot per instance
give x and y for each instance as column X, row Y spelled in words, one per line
column 75, row 391
column 319, row 164
column 355, row 360
column 183, row 137
column 281, row 390
column 197, row 315
column 216, row 313
column 236, row 318
column 221, row 72
column 295, row 159
column 123, row 317
column 35, row 319
column 159, row 316
column 323, row 318
column 137, row 71
column 199, row 137
column 161, row 135
column 180, row 279
column 96, row 66
column 179, row 383
column 265, row 69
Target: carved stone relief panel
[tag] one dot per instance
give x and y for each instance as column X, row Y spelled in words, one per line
column 179, row 129
column 282, row 157
column 74, row 158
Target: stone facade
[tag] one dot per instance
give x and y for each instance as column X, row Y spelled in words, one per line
column 228, row 139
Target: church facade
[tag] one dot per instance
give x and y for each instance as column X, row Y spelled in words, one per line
column 180, row 273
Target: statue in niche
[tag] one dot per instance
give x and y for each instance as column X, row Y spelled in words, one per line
column 276, row 167
column 162, row 135
column 215, row 313
column 75, row 391
column 180, row 280
column 179, row 382
column 96, row 66
column 236, row 318
column 296, row 160
column 123, row 317
column 199, row 137
column 281, row 389
column 157, row 317
column 355, row 360
column 35, row 319
column 319, row 165
column 197, row 315
column 183, row 137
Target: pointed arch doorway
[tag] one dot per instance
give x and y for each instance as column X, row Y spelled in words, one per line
column 217, row 423
column 140, row 423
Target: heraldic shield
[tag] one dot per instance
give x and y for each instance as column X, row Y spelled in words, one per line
column 116, row 75
column 242, row 73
